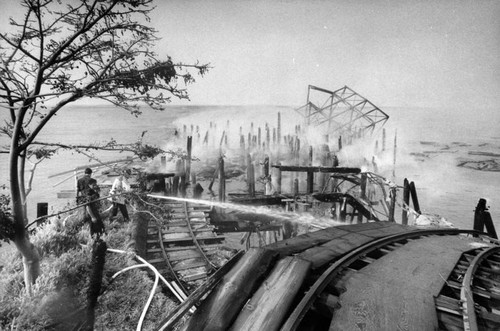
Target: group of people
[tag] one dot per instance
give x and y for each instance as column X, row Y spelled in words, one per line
column 88, row 193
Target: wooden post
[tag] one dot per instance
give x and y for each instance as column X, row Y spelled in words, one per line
column 188, row 160
column 278, row 133
column 323, row 177
column 374, row 165
column 163, row 162
column 250, row 176
column 223, row 304
column 297, row 150
column 394, row 156
column 482, row 219
column 364, row 180
column 42, row 209
column 266, row 166
column 268, row 137
column 310, row 155
column 340, row 143
column 252, row 180
column 183, row 186
column 222, row 181
column 259, row 138
column 175, row 185
column 249, row 140
column 393, row 204
column 222, row 138
column 205, row 140
column 197, row 191
column 98, row 259
column 383, row 140
column 278, row 179
column 414, row 198
column 478, row 217
column 310, row 182
column 295, row 187
column 362, row 186
column 406, row 201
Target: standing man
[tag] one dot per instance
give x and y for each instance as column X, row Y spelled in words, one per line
column 87, row 192
column 120, row 186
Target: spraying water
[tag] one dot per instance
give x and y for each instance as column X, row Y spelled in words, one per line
column 298, row 218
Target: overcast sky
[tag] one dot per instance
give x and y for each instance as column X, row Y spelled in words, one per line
column 396, row 53
column 438, row 53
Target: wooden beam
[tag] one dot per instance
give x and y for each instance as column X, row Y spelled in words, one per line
column 269, row 305
column 343, row 170
column 169, row 322
column 220, row 308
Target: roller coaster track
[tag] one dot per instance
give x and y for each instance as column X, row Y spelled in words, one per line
column 368, row 253
column 470, row 300
column 181, row 243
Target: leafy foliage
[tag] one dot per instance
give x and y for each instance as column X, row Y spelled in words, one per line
column 6, row 222
column 60, row 53
column 59, row 295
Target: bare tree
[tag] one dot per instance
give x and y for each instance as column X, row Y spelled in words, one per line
column 60, row 53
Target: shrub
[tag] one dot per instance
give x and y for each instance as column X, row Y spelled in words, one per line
column 59, row 296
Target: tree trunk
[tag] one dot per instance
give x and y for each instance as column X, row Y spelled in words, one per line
column 31, row 258
column 31, row 261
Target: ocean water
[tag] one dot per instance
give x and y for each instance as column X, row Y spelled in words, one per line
column 430, row 144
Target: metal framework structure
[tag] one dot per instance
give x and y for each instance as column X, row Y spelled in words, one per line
column 343, row 111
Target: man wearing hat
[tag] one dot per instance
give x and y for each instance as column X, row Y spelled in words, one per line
column 88, row 191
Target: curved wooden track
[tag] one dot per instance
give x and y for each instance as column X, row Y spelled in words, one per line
column 183, row 244
column 470, row 300
column 332, row 287
column 370, row 276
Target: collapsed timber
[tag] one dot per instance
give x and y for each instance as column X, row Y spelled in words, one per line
column 348, row 276
column 326, row 225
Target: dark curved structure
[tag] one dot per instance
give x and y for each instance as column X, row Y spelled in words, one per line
column 344, row 198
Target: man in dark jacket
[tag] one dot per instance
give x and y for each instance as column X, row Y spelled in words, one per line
column 87, row 192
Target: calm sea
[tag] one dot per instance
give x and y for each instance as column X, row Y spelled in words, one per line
column 430, row 144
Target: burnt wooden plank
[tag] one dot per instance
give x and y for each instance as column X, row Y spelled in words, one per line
column 184, row 265
column 193, row 277
column 338, row 170
column 451, row 321
column 187, row 254
column 176, row 217
column 178, row 229
column 151, row 241
column 182, row 248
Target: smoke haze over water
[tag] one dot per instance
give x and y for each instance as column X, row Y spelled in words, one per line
column 430, row 144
